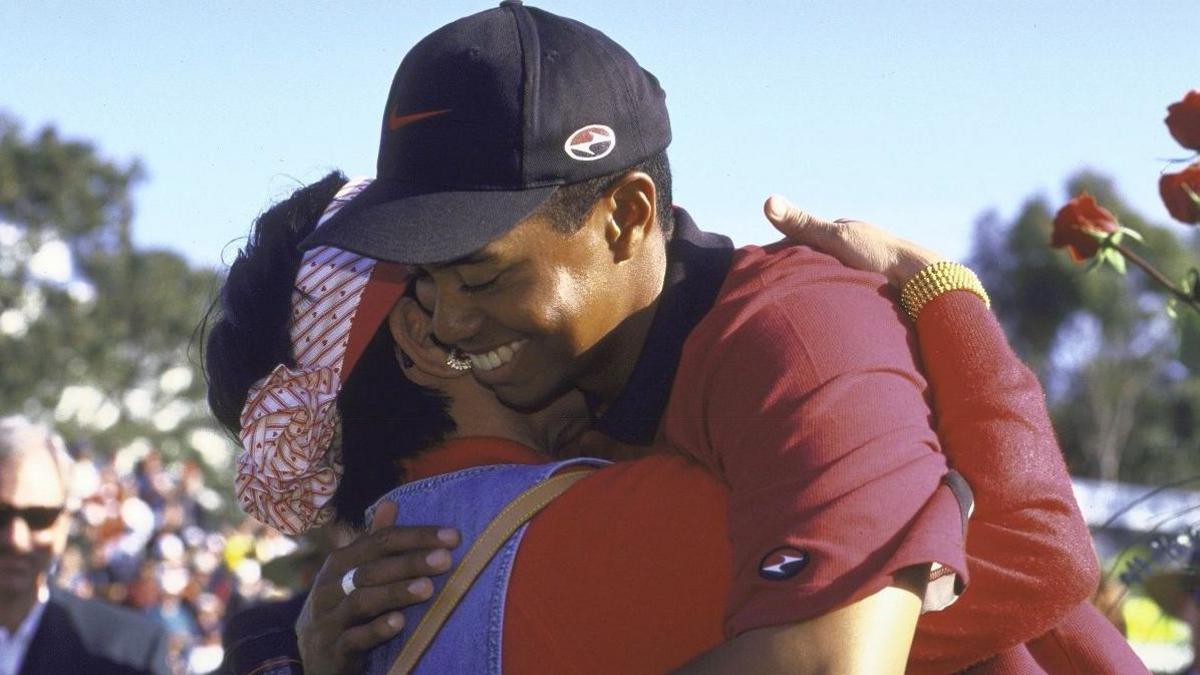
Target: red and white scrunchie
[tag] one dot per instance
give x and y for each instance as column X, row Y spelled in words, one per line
column 290, row 463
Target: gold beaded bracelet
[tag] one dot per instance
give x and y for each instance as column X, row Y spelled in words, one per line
column 935, row 279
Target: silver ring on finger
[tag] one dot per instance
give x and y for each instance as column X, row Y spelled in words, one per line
column 348, row 581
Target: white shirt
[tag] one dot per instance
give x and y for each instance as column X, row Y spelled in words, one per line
column 13, row 646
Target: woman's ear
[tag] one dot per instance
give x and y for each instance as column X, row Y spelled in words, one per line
column 412, row 329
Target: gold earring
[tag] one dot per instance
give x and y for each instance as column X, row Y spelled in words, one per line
column 456, row 359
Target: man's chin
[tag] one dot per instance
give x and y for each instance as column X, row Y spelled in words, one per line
column 18, row 574
column 13, row 587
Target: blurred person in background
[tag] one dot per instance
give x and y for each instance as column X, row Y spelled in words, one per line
column 262, row 637
column 1176, row 590
column 163, row 557
column 44, row 629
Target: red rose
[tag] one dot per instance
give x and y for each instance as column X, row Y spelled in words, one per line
column 1179, row 203
column 1075, row 221
column 1183, row 121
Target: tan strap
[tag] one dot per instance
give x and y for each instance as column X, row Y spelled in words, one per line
column 518, row 511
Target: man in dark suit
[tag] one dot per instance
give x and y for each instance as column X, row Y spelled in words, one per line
column 44, row 630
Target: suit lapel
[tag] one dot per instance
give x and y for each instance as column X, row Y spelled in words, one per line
column 55, row 648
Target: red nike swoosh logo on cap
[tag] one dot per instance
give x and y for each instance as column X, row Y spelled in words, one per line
column 396, row 121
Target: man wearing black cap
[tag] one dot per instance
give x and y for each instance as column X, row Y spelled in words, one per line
column 522, row 169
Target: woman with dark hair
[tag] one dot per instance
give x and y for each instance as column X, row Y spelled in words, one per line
column 628, row 571
column 388, row 417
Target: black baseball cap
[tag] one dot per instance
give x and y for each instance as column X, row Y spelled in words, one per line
column 487, row 116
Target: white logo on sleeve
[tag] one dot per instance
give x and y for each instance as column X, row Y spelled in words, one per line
column 782, row 563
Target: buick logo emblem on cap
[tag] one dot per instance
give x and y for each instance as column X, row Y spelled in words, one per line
column 590, row 143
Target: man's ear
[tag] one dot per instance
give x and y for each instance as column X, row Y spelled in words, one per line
column 631, row 214
column 412, row 329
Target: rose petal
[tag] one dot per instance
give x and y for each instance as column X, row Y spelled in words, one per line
column 1075, row 223
column 1179, row 203
column 1183, row 120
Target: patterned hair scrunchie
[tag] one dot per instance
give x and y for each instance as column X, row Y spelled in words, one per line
column 290, row 464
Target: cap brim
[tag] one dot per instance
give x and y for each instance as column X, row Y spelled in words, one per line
column 414, row 225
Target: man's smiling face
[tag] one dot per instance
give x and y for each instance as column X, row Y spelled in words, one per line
column 531, row 309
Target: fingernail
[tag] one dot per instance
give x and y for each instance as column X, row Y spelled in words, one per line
column 448, row 536
column 421, row 587
column 776, row 207
column 396, row 621
column 438, row 558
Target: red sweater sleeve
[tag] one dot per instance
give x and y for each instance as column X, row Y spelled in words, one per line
column 1029, row 552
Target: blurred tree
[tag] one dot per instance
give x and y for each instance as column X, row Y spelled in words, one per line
column 94, row 333
column 1123, row 403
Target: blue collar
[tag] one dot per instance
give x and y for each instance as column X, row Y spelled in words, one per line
column 697, row 263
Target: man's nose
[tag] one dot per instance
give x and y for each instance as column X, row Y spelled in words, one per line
column 15, row 535
column 455, row 317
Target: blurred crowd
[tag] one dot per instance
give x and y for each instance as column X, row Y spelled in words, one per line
column 150, row 538
column 154, row 537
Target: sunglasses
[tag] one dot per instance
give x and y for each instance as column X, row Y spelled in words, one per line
column 36, row 517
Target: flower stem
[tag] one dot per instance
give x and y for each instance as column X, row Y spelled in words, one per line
column 1151, row 270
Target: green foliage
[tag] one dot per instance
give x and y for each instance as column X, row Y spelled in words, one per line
column 1123, row 401
column 106, row 355
column 47, row 182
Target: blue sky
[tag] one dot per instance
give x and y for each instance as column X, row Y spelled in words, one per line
column 916, row 115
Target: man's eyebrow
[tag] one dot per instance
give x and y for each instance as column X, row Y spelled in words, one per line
column 480, row 257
